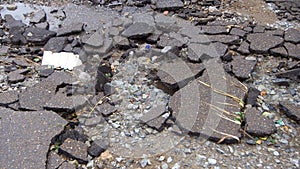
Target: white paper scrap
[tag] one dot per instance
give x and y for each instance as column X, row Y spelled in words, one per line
column 65, row 60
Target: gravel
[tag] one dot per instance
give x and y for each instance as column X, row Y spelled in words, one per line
column 135, row 95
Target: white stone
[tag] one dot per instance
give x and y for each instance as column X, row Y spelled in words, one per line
column 11, row 7
column 176, row 166
column 166, row 49
column 212, row 161
column 276, row 153
column 161, row 158
column 164, row 166
column 169, row 160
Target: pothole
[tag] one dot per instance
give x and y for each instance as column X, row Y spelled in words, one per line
column 138, row 117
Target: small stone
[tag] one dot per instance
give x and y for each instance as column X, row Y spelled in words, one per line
column 95, row 150
column 164, row 166
column 220, row 151
column 238, row 32
column 11, row 7
column 21, row 62
column 251, row 142
column 169, row 160
column 276, row 153
column 106, row 155
column 200, row 157
column 166, row 49
column 212, row 161
column 161, row 158
column 295, row 162
column 144, row 162
column 176, row 166
column 265, row 107
column 95, row 40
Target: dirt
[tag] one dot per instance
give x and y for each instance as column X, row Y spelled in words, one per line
column 257, row 9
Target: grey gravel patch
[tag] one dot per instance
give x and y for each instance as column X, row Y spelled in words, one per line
column 29, row 137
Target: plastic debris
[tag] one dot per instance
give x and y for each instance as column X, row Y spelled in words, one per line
column 280, row 122
column 148, row 47
column 65, row 60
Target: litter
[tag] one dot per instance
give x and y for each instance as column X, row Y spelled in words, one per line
column 65, row 60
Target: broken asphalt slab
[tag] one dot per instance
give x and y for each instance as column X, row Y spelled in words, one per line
column 199, row 107
column 292, row 111
column 75, row 150
column 26, row 136
column 258, row 125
